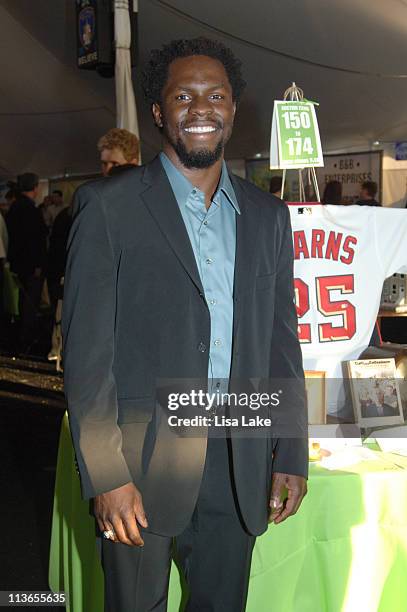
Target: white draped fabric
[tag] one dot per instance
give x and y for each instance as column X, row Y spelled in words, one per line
column 126, row 110
column 394, row 188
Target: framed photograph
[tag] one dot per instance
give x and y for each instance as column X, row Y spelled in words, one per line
column 375, row 392
column 316, row 396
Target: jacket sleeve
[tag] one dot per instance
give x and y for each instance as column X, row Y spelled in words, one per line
column 88, row 334
column 290, row 453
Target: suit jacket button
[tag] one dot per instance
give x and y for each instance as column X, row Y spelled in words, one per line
column 201, row 347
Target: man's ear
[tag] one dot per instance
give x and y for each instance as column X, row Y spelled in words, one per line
column 157, row 115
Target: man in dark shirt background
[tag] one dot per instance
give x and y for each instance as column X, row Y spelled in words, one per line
column 27, row 253
column 276, row 183
column 367, row 195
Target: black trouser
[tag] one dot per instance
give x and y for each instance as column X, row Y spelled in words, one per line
column 30, row 298
column 214, row 553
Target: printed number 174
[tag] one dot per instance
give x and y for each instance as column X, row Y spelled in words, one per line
column 298, row 146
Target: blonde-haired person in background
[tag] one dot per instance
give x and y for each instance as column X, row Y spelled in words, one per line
column 118, row 147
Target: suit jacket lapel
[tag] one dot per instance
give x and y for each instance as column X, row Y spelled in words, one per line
column 160, row 200
column 247, row 227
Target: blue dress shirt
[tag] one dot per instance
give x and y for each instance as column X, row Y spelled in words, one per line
column 212, row 234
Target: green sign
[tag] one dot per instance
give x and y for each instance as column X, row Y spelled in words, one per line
column 295, row 140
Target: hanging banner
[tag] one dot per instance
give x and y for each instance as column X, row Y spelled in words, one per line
column 295, row 140
column 87, row 49
column 400, row 152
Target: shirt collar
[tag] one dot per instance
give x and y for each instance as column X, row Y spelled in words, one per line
column 182, row 187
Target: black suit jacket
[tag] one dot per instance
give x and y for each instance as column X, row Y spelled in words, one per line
column 135, row 312
column 27, row 237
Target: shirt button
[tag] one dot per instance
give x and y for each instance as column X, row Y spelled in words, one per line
column 218, row 342
column 209, row 261
column 212, row 302
column 205, row 223
column 201, row 347
column 194, row 191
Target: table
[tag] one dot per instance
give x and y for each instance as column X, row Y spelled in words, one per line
column 390, row 313
column 345, row 551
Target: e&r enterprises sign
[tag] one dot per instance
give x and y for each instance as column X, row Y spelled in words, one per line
column 351, row 170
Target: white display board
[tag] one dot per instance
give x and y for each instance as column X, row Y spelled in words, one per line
column 295, row 141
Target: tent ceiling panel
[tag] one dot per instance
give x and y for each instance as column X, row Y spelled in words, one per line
column 52, row 114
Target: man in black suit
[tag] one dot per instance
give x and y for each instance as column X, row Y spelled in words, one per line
column 180, row 272
column 27, row 253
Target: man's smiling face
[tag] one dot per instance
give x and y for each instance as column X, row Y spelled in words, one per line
column 196, row 111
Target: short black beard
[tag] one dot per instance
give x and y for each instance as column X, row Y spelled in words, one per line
column 198, row 159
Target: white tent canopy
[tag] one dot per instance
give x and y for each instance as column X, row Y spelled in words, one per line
column 349, row 55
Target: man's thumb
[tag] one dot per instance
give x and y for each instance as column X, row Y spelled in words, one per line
column 276, row 494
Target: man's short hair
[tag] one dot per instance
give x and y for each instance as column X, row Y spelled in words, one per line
column 27, row 182
column 370, row 187
column 276, row 182
column 58, row 192
column 156, row 72
column 124, row 140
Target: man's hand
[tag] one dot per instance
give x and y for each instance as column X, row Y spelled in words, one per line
column 287, row 493
column 120, row 510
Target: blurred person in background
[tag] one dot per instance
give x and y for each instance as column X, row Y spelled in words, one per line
column 367, row 195
column 332, row 193
column 3, row 259
column 27, row 254
column 44, row 207
column 118, row 147
column 55, row 207
column 10, row 198
column 276, row 183
column 3, row 239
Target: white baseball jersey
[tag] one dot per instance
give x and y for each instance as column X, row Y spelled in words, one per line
column 342, row 255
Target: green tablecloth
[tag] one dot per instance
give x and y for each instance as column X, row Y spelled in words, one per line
column 345, row 551
column 11, row 292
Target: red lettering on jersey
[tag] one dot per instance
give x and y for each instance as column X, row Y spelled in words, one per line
column 333, row 245
column 318, row 239
column 302, row 305
column 328, row 332
column 300, row 245
column 349, row 240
